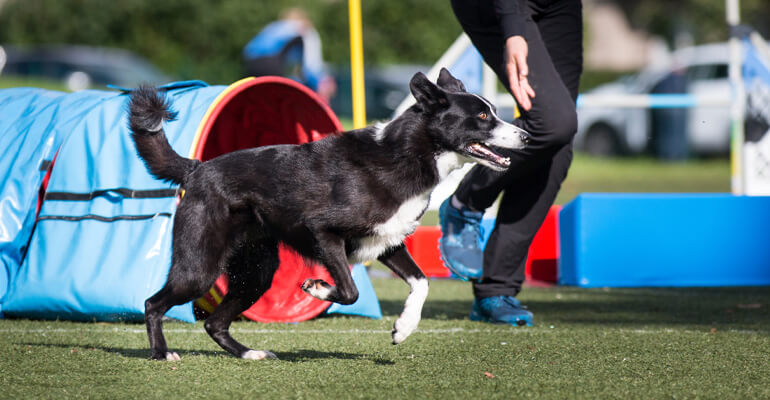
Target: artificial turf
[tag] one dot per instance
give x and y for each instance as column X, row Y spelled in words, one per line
column 598, row 343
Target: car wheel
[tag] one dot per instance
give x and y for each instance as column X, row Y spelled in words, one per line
column 601, row 140
column 77, row 81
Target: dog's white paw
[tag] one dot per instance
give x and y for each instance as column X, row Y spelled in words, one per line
column 404, row 326
column 410, row 317
column 172, row 356
column 258, row 355
column 317, row 288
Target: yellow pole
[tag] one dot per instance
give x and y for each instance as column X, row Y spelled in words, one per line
column 357, row 64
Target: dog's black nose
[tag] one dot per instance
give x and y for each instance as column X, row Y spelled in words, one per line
column 524, row 137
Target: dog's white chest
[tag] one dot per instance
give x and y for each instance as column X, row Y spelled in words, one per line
column 448, row 162
column 393, row 231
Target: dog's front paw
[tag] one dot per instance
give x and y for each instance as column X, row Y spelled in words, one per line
column 317, row 288
column 410, row 317
column 404, row 326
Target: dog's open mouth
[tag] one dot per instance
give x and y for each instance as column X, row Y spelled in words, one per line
column 483, row 152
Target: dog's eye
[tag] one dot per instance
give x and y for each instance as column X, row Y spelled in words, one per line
column 482, row 115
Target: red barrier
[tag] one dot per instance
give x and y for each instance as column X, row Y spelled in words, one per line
column 541, row 263
column 423, row 246
column 543, row 259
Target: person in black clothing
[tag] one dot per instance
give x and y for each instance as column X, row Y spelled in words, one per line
column 669, row 125
column 535, row 48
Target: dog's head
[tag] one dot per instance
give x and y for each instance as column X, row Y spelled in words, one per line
column 465, row 123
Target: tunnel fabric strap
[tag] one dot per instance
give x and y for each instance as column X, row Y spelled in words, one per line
column 76, row 218
column 122, row 192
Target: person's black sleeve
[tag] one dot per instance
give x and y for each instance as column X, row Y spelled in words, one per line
column 511, row 15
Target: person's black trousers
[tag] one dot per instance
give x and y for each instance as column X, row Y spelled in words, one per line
column 554, row 34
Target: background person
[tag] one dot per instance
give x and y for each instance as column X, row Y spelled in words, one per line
column 669, row 125
column 290, row 47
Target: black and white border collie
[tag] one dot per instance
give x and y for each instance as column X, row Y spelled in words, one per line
column 344, row 199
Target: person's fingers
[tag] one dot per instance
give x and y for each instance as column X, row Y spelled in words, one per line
column 522, row 92
column 527, row 94
column 521, row 64
column 526, row 90
column 513, row 82
column 525, row 102
column 527, row 87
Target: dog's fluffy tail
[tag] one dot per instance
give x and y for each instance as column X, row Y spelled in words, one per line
column 147, row 111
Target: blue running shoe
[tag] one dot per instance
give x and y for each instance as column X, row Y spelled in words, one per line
column 460, row 242
column 501, row 310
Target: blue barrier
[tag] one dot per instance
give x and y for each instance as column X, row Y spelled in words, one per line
column 635, row 240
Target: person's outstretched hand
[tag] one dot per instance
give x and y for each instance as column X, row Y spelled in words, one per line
column 516, row 50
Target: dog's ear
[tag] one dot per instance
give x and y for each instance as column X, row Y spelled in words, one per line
column 427, row 94
column 449, row 82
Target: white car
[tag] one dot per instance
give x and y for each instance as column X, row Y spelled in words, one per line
column 618, row 130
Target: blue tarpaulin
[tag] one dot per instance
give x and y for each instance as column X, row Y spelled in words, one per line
column 32, row 127
column 88, row 258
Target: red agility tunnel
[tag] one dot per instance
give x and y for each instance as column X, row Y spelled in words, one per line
column 260, row 112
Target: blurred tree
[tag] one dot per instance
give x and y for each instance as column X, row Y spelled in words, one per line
column 703, row 19
column 204, row 39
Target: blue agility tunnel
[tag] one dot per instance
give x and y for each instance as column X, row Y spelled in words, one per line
column 85, row 231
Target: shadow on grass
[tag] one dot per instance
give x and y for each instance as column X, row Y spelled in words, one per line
column 736, row 307
column 125, row 352
column 298, row 356
column 739, row 307
column 438, row 309
column 309, row 355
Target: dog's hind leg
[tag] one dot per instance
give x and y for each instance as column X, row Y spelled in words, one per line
column 400, row 262
column 196, row 263
column 250, row 272
column 173, row 293
column 331, row 252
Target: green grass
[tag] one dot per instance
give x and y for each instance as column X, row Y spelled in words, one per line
column 610, row 343
column 11, row 82
column 638, row 174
